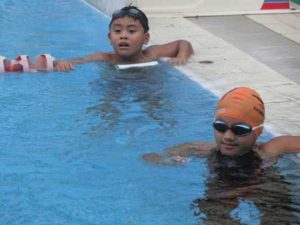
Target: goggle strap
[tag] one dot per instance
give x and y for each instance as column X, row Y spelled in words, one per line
column 259, row 126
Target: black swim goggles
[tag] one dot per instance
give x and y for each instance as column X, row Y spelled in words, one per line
column 132, row 12
column 239, row 129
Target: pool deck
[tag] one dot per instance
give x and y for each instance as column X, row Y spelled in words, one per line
column 261, row 51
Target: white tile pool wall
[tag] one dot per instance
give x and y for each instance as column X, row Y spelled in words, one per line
column 108, row 7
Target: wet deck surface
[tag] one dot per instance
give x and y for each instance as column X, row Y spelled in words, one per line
column 273, row 49
column 259, row 51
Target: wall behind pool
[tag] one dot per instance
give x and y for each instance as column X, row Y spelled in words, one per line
column 108, row 6
column 194, row 7
column 296, row 2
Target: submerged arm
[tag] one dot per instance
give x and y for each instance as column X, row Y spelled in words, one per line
column 196, row 149
column 180, row 154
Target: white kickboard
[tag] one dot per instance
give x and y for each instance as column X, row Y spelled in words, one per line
column 127, row 66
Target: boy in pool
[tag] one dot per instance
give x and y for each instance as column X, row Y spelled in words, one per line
column 238, row 122
column 128, row 32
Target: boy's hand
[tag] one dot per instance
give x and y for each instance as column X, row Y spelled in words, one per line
column 63, row 66
column 177, row 61
column 165, row 159
column 153, row 158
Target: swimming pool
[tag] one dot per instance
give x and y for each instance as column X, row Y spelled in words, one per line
column 71, row 143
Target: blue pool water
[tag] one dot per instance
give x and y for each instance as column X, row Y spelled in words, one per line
column 71, row 143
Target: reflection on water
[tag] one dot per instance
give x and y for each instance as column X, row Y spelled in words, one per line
column 125, row 96
column 246, row 191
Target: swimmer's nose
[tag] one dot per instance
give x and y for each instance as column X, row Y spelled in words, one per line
column 229, row 135
column 124, row 34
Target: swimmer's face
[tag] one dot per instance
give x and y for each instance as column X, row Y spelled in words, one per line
column 127, row 37
column 233, row 145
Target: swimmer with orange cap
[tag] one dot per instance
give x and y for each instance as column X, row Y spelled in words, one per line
column 239, row 120
column 241, row 179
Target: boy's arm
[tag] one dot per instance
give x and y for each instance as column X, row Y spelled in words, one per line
column 281, row 144
column 179, row 51
column 67, row 65
column 179, row 154
column 197, row 149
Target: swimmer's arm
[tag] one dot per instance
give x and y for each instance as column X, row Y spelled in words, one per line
column 164, row 159
column 178, row 51
column 180, row 154
column 281, row 144
column 67, row 65
column 194, row 149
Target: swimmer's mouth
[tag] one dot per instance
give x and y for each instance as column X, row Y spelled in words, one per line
column 123, row 45
column 228, row 145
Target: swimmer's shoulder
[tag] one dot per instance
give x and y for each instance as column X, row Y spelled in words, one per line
column 282, row 144
column 115, row 59
column 264, row 154
column 153, row 52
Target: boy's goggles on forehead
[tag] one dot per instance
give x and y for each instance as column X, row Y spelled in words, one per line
column 122, row 12
column 134, row 13
column 239, row 129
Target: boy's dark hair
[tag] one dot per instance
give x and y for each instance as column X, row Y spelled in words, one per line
column 133, row 12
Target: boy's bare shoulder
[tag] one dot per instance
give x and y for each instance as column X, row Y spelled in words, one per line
column 152, row 52
column 199, row 149
column 102, row 56
column 161, row 50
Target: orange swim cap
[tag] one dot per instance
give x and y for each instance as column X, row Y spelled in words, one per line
column 243, row 104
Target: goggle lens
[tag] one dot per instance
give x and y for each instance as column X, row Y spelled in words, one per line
column 237, row 129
